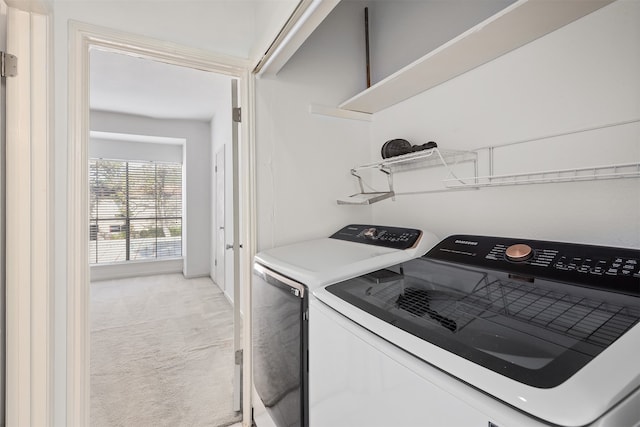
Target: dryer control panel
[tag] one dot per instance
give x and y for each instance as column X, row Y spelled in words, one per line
column 380, row 235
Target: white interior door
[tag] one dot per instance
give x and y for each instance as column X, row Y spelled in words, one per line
column 219, row 231
column 3, row 47
column 237, row 318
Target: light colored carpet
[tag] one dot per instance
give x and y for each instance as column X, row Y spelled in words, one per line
column 161, row 353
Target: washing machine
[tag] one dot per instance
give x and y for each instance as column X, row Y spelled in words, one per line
column 482, row 331
column 283, row 281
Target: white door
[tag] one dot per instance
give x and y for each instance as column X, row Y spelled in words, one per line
column 237, row 318
column 3, row 47
column 219, row 230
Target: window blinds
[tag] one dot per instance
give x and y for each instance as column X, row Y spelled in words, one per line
column 135, row 211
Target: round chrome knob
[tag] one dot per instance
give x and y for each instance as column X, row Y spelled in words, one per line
column 519, row 252
column 370, row 233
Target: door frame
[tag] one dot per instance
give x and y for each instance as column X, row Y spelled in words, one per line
column 219, row 223
column 82, row 37
column 29, row 231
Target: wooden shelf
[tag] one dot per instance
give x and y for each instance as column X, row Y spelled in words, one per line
column 511, row 28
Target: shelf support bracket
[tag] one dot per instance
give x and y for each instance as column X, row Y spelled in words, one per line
column 353, row 172
column 389, row 180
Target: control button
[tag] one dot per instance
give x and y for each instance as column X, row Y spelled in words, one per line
column 597, row 271
column 519, row 252
column 612, row 272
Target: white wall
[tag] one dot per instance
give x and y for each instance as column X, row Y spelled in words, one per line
column 102, row 148
column 303, row 160
column 225, row 26
column 583, row 75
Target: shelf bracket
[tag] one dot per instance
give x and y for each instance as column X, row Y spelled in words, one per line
column 367, row 198
column 389, row 180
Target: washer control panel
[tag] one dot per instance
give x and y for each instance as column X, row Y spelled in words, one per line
column 596, row 266
column 380, row 235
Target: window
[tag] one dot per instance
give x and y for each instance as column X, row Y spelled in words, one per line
column 135, row 211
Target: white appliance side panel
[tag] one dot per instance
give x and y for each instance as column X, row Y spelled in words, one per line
column 627, row 413
column 352, row 383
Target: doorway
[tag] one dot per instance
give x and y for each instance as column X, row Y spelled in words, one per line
column 153, row 127
column 84, row 39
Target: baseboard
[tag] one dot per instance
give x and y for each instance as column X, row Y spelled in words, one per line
column 196, row 276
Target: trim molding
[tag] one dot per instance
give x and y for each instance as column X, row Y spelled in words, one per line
column 83, row 37
column 248, row 232
column 29, row 302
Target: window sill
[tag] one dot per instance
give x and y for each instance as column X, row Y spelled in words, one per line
column 123, row 270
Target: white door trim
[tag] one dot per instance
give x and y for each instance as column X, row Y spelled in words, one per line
column 29, row 313
column 81, row 38
column 218, row 267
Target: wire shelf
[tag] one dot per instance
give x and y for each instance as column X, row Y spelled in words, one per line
column 418, row 159
column 627, row 170
column 423, row 158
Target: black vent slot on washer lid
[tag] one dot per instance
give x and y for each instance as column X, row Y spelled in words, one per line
column 418, row 302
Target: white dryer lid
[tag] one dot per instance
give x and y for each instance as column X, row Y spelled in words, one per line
column 323, row 261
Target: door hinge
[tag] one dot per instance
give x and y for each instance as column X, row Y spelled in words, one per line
column 237, row 114
column 215, row 169
column 215, row 263
column 239, row 357
column 8, row 65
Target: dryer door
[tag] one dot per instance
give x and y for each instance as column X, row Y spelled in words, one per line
column 279, row 345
